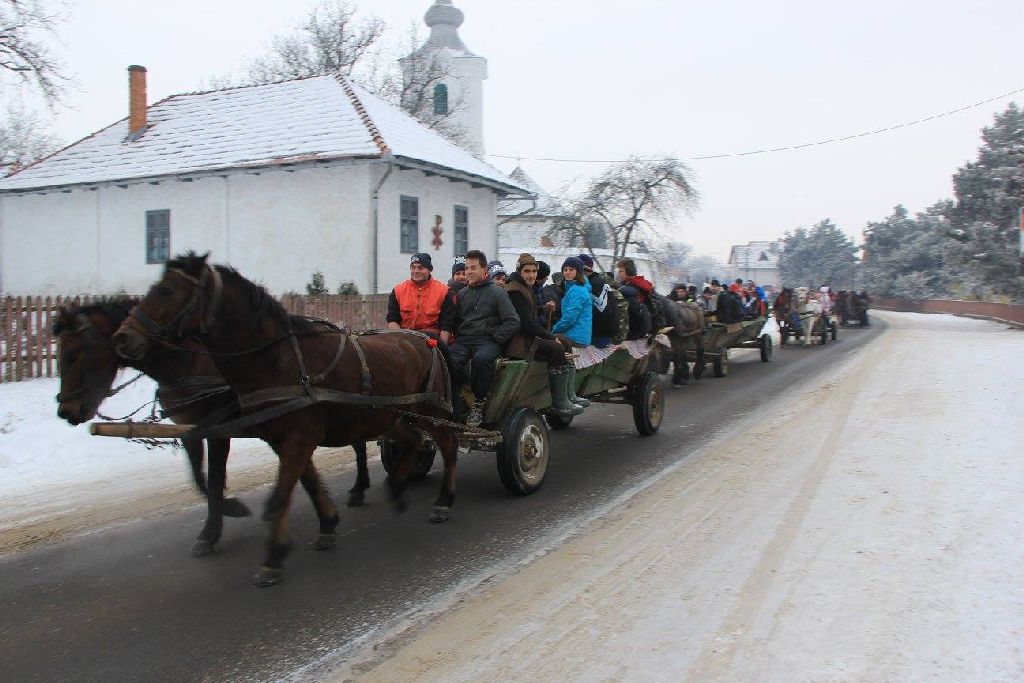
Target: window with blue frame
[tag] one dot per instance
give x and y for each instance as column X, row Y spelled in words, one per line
column 158, row 236
column 410, row 217
column 441, row 99
column 461, row 236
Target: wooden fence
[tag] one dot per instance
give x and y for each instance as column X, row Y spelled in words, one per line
column 28, row 348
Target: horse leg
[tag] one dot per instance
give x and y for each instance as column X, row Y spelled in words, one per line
column 356, row 493
column 294, row 456
column 216, row 506
column 409, row 442
column 194, row 451
column 326, row 511
column 447, row 443
column 681, row 369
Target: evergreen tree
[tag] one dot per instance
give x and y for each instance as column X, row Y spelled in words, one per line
column 989, row 194
column 823, row 255
column 316, row 286
column 905, row 256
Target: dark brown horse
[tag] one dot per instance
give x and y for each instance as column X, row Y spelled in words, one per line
column 189, row 389
column 271, row 359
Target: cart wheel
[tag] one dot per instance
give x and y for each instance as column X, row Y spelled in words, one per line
column 766, row 348
column 524, row 452
column 648, row 404
column 558, row 422
column 833, row 330
column 390, row 452
column 720, row 364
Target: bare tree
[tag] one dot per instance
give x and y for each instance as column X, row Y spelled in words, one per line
column 24, row 53
column 333, row 38
column 623, row 206
column 23, row 137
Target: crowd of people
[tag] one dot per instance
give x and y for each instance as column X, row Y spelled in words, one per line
column 484, row 312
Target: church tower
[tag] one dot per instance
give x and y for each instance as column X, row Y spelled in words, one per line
column 455, row 76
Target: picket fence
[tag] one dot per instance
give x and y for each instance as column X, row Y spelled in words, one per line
column 28, row 348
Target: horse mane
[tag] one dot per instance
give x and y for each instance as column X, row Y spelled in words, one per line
column 115, row 309
column 259, row 301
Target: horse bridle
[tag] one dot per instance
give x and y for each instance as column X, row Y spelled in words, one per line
column 196, row 305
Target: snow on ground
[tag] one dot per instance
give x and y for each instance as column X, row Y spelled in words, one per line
column 56, row 479
column 866, row 528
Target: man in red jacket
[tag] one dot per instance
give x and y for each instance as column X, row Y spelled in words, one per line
column 421, row 303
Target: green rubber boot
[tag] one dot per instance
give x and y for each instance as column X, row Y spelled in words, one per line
column 558, row 379
column 582, row 402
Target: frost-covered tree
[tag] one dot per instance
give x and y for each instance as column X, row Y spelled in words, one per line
column 821, row 255
column 24, row 138
column 335, row 38
column 625, row 204
column 989, row 194
column 906, row 256
column 25, row 56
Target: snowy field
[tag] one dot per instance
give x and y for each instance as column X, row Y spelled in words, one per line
column 57, row 479
column 869, row 531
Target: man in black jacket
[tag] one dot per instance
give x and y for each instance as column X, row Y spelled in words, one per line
column 487, row 320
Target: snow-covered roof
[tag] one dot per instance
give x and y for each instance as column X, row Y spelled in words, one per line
column 312, row 119
column 546, row 204
column 760, row 254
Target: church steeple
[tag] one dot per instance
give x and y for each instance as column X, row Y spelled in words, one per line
column 462, row 91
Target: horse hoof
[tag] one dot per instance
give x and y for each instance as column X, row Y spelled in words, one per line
column 439, row 514
column 235, row 508
column 355, row 499
column 399, row 505
column 202, row 548
column 268, row 576
column 325, row 541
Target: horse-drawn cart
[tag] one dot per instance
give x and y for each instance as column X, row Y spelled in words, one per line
column 518, row 412
column 516, row 420
column 720, row 337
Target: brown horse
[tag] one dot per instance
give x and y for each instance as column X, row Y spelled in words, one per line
column 786, row 309
column 386, row 385
column 189, row 389
column 687, row 335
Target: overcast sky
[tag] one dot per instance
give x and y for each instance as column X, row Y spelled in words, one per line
column 597, row 79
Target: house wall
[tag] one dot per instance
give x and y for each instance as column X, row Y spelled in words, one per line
column 437, row 197
column 276, row 227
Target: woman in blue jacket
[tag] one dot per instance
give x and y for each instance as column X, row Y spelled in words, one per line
column 574, row 327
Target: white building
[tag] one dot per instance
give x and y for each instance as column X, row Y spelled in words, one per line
column 278, row 180
column 757, row 261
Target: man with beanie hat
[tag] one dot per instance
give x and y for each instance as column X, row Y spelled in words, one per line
column 421, row 303
column 533, row 338
column 496, row 272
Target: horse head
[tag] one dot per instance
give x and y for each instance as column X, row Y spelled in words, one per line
column 182, row 304
column 87, row 359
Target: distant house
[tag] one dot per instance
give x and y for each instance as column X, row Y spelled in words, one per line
column 757, row 261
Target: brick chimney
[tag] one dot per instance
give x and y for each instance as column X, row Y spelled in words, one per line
column 136, row 100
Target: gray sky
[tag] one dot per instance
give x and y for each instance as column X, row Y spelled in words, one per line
column 596, row 79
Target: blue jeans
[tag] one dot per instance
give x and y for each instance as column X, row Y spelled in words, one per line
column 480, row 353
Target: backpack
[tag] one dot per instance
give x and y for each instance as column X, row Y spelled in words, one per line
column 638, row 313
column 621, row 315
column 729, row 309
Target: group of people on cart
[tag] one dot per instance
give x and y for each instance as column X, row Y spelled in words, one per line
column 729, row 304
column 485, row 312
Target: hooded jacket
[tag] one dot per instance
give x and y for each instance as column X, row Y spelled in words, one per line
column 485, row 310
column 577, row 314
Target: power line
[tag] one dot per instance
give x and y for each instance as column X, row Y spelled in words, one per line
column 520, row 157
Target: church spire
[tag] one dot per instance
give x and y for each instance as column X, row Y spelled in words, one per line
column 444, row 20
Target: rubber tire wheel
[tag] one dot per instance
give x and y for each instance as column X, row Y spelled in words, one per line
column 648, row 404
column 390, row 451
column 558, row 422
column 521, row 430
column 720, row 364
column 834, row 330
column 766, row 348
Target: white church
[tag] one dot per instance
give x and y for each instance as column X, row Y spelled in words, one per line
column 278, row 180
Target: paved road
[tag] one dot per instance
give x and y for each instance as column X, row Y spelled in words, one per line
column 130, row 603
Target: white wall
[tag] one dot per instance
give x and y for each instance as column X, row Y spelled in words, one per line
column 437, row 197
column 276, row 227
